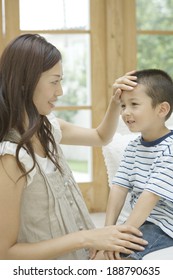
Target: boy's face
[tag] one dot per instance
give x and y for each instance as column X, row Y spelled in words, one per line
column 137, row 111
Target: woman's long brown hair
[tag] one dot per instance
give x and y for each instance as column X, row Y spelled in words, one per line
column 21, row 65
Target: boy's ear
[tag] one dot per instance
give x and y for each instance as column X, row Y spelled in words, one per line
column 164, row 109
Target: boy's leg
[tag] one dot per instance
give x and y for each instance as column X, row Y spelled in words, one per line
column 156, row 237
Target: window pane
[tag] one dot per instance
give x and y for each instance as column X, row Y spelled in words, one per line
column 155, row 51
column 154, row 14
column 79, row 158
column 54, row 14
column 76, row 68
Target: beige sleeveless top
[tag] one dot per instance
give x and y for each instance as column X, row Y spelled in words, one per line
column 52, row 204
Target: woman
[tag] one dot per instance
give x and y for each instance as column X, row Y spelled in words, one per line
column 42, row 212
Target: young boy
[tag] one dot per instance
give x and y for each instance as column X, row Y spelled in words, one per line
column 146, row 169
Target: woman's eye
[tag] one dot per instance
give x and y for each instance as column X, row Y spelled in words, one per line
column 55, row 82
column 123, row 106
column 134, row 104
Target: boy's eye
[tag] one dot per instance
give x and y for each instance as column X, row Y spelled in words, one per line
column 123, row 106
column 134, row 104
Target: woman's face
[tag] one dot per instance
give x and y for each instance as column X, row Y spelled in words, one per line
column 48, row 89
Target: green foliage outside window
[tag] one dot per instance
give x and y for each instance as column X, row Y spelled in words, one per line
column 155, row 50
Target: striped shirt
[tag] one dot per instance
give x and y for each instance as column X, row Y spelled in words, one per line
column 149, row 166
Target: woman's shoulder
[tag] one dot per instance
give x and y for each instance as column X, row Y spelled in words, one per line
column 7, row 148
column 9, row 169
column 8, row 154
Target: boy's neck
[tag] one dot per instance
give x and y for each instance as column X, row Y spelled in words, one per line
column 155, row 134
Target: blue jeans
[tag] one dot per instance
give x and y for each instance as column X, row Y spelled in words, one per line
column 156, row 237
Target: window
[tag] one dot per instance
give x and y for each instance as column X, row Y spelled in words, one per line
column 54, row 15
column 74, row 44
column 155, row 36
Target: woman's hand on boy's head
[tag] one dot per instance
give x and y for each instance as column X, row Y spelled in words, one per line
column 116, row 97
column 126, row 82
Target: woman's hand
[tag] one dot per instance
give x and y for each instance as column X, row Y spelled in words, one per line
column 108, row 255
column 119, row 238
column 126, row 82
column 116, row 96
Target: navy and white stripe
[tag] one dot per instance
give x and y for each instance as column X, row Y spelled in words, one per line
column 149, row 166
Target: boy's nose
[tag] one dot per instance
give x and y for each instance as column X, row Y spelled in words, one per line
column 126, row 111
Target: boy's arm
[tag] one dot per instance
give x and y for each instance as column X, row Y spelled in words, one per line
column 116, row 201
column 142, row 209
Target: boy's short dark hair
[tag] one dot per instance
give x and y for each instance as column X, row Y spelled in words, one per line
column 159, row 86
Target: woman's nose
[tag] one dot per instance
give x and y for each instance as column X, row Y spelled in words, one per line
column 59, row 90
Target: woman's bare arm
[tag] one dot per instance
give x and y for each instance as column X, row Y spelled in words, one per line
column 99, row 136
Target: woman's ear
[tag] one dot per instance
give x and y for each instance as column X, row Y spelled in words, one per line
column 164, row 109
